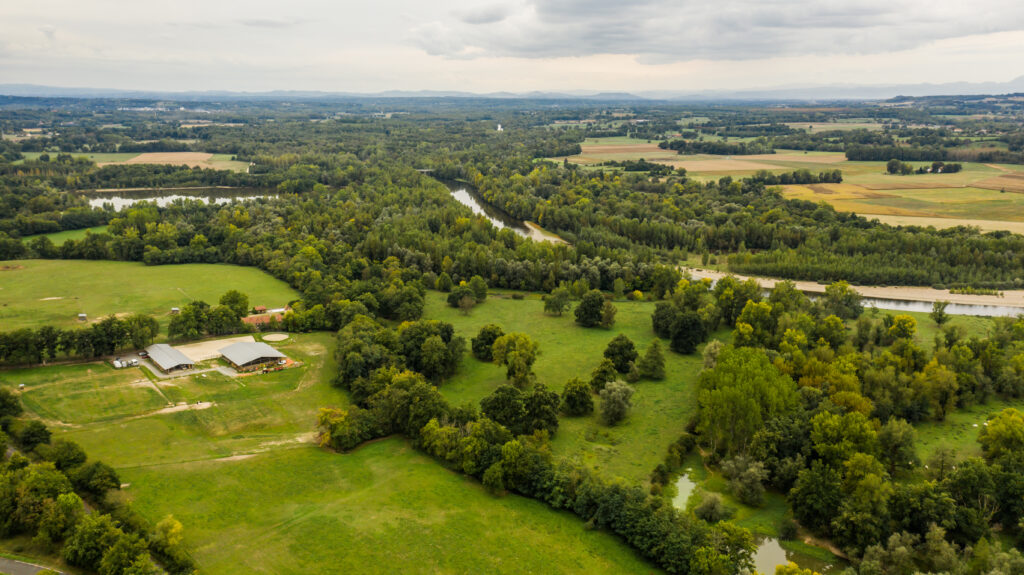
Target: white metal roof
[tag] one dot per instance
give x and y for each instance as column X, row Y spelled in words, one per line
column 166, row 357
column 244, row 352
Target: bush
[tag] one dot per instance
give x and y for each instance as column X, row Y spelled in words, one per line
column 621, row 352
column 483, row 343
column 615, row 402
column 576, row 398
column 712, row 509
column 787, row 530
column 35, row 433
column 603, row 375
column 9, row 403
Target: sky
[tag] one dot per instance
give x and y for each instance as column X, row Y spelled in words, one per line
column 507, row 45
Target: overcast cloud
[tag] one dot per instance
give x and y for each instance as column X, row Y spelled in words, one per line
column 511, row 45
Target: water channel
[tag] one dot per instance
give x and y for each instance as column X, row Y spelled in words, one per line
column 127, row 198
column 480, row 207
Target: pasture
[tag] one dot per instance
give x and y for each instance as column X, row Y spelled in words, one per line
column 660, row 408
column 34, row 293
column 257, row 496
column 59, row 238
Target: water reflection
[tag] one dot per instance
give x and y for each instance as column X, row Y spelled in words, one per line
column 770, row 553
column 121, row 200
column 952, row 309
column 482, row 208
column 684, row 487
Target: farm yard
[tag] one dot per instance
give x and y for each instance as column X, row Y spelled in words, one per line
column 227, row 470
column 53, row 292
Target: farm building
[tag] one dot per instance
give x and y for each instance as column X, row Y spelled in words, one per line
column 167, row 358
column 246, row 355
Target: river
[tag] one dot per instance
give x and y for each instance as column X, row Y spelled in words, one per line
column 889, row 297
column 480, row 207
column 126, row 198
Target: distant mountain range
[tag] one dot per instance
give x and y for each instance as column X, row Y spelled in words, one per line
column 807, row 92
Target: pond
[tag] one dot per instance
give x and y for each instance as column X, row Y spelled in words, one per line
column 770, row 553
column 480, row 207
column 684, row 487
column 120, row 200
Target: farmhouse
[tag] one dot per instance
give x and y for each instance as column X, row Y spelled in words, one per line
column 246, row 355
column 167, row 358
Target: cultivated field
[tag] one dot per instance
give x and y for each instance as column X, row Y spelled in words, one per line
column 942, row 223
column 192, row 159
column 53, row 292
column 959, row 205
column 982, row 195
column 598, row 150
column 257, row 496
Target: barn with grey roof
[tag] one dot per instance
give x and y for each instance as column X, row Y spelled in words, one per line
column 167, row 358
column 246, row 355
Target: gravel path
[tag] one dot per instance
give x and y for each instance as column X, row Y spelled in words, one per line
column 12, row 567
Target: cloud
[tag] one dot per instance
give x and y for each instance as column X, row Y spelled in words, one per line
column 682, row 30
column 483, row 14
column 49, row 32
column 269, row 23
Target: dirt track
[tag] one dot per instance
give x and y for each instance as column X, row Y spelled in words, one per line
column 1012, row 298
column 205, row 350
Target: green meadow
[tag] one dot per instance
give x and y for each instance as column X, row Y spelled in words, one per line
column 256, row 495
column 630, row 450
column 59, row 238
column 34, row 293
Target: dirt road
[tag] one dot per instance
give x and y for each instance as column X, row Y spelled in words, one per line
column 12, row 567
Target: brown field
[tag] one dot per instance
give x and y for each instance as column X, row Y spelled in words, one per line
column 191, row 159
column 595, row 149
column 723, row 165
column 598, row 153
column 960, row 205
column 815, row 158
column 815, row 127
column 940, row 223
column 1009, row 182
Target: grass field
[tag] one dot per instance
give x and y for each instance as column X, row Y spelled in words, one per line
column 960, row 429
column 660, row 408
column 200, row 159
column 53, row 292
column 59, row 238
column 383, row 509
column 257, row 496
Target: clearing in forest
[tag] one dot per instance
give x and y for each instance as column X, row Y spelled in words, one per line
column 191, row 159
